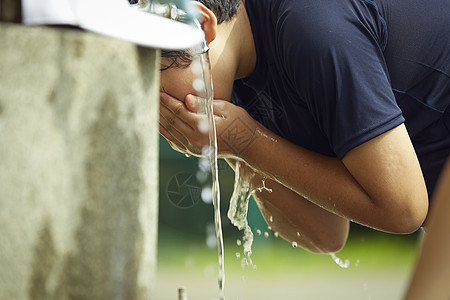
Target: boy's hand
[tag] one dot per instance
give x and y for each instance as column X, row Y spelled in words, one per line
column 186, row 130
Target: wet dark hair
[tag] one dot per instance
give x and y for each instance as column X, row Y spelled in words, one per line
column 224, row 10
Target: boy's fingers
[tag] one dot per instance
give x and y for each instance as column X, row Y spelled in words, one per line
column 171, row 132
column 192, row 103
column 178, row 108
column 166, row 97
column 174, row 120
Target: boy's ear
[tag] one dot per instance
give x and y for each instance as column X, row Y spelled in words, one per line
column 208, row 21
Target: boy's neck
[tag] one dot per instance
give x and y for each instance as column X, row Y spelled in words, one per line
column 233, row 49
column 246, row 52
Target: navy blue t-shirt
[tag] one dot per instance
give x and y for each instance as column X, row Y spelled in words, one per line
column 333, row 74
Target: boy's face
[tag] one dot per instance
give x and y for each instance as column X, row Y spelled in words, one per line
column 177, row 82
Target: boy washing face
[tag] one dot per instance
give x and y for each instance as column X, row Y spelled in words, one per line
column 343, row 104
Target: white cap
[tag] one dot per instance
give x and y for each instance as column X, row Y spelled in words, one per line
column 113, row 18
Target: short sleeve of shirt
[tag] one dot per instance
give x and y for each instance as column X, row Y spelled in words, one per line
column 333, row 53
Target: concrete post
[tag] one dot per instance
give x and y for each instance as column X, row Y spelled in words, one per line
column 78, row 165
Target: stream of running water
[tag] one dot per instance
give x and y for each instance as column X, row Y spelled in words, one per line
column 204, row 85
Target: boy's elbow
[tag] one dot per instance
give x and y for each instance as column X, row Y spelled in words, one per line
column 409, row 218
column 409, row 223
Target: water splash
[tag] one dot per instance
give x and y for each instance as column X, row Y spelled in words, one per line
column 343, row 264
column 263, row 187
column 237, row 212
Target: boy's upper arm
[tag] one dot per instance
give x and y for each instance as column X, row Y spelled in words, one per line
column 388, row 169
column 339, row 73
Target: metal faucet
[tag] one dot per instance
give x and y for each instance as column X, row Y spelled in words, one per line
column 171, row 11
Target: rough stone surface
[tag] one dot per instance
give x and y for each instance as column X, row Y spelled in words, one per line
column 78, row 165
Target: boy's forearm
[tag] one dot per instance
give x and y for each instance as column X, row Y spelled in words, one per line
column 324, row 181
column 299, row 221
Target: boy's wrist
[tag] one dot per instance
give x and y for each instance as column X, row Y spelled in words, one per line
column 239, row 136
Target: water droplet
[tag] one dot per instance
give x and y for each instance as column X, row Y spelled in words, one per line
column 202, row 176
column 255, row 267
column 269, row 228
column 198, row 84
column 365, row 286
column 207, row 151
column 263, row 187
column 294, row 245
column 298, row 233
column 189, row 262
column 357, row 263
column 209, row 270
column 266, row 234
column 270, row 219
column 343, row 264
column 238, row 242
column 196, row 67
column 187, row 155
column 238, row 255
column 244, row 263
column 211, row 240
column 204, row 165
column 258, row 231
column 276, row 234
column 207, row 195
column 203, row 126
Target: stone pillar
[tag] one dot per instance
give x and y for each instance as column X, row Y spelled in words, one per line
column 78, row 165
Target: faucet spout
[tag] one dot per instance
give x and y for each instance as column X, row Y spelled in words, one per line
column 171, row 11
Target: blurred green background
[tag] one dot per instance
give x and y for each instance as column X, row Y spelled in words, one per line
column 379, row 264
